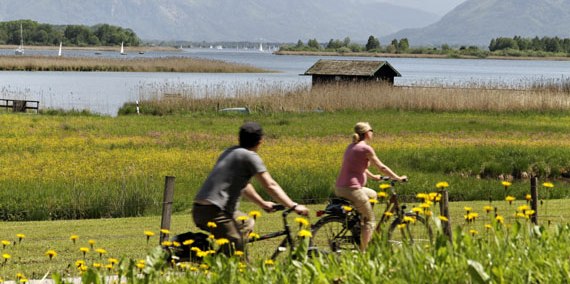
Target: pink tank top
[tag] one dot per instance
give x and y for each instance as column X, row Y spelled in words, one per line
column 354, row 163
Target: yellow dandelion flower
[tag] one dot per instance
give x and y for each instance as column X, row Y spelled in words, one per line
column 548, row 184
column 488, row 226
column 302, row 221
column 97, row 265
column 212, row 225
column 91, row 243
column 195, row 249
column 510, row 199
column 523, row 208
column 473, row 232
column 425, row 205
column 113, row 261
column 305, row 233
column 20, row 236
column 165, row 231
column 347, row 208
column 255, row 214
column 242, row 218
column 506, row 184
column 74, row 238
column 109, row 266
column 467, row 208
column 20, row 275
column 401, row 226
column 384, row 186
column 188, row 242
column 500, row 219
column 382, row 194
column 222, row 241
column 520, row 215
column 79, row 263
column 166, row 243
column 423, row 196
column 428, row 213
column 528, row 197
column 441, row 184
column 51, row 253
column 204, row 266
column 23, row 280
column 6, row 256
column 443, row 218
column 269, row 262
column 488, row 208
column 101, row 251
column 202, row 253
column 529, row 212
column 388, row 214
column 239, row 253
column 408, row 219
column 373, row 201
column 211, row 237
column 417, row 210
column 253, row 235
column 175, row 244
column 148, row 233
column 140, row 265
column 5, row 243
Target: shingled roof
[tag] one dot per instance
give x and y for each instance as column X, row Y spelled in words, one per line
column 349, row 67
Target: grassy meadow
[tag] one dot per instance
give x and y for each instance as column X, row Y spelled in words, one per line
column 62, row 167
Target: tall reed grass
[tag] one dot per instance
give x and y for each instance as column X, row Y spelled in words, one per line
column 163, row 64
column 302, row 98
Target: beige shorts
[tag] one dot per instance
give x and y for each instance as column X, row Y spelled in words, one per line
column 360, row 199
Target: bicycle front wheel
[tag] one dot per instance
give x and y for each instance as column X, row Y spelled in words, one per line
column 414, row 232
column 332, row 234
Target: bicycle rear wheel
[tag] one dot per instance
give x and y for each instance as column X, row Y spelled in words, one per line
column 333, row 234
column 416, row 232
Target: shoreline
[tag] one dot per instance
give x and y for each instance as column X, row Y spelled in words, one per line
column 410, row 55
column 93, row 48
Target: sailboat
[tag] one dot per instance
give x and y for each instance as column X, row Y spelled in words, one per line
column 260, row 47
column 122, row 49
column 60, row 45
column 20, row 50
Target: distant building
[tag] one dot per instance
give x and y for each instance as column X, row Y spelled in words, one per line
column 329, row 71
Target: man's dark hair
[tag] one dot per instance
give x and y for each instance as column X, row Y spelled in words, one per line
column 250, row 134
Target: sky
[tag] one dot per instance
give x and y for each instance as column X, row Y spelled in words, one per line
column 439, row 7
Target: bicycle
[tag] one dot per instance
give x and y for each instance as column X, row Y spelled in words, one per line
column 201, row 243
column 339, row 229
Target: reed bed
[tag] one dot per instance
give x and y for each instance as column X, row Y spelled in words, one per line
column 302, row 98
column 163, row 64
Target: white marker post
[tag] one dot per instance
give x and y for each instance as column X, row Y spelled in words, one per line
column 138, row 110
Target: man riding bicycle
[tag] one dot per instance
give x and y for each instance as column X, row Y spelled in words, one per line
column 218, row 198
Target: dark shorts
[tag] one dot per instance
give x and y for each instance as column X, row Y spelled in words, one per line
column 226, row 226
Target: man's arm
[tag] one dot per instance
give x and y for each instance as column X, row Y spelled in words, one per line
column 251, row 194
column 275, row 190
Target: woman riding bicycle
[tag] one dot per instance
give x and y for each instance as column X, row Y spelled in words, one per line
column 351, row 180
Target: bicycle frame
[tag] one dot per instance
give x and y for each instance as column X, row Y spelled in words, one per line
column 288, row 241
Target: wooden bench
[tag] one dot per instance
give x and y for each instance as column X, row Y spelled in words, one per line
column 20, row 105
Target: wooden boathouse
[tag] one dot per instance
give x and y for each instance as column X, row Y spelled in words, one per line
column 333, row 71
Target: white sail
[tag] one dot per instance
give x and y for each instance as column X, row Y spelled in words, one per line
column 122, row 49
column 261, row 47
column 60, row 45
column 20, row 50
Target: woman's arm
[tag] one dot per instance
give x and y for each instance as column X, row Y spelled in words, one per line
column 383, row 168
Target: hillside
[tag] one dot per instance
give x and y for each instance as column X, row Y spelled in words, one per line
column 476, row 22
column 217, row 20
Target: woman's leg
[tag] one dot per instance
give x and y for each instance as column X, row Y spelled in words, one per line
column 361, row 201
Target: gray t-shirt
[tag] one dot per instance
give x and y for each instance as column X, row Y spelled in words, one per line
column 230, row 175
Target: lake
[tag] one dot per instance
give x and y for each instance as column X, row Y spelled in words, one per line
column 106, row 92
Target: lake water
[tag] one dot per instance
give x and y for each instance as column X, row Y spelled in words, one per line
column 106, row 92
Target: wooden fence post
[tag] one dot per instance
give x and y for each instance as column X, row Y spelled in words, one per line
column 167, row 206
column 534, row 200
column 444, row 210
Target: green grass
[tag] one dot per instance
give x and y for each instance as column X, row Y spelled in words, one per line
column 68, row 167
column 124, row 237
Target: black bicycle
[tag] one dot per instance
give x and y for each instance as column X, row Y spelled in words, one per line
column 339, row 229
column 199, row 241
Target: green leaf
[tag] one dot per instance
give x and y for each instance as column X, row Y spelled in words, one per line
column 477, row 272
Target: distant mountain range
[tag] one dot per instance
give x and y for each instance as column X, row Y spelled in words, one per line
column 228, row 20
column 473, row 22
column 476, row 22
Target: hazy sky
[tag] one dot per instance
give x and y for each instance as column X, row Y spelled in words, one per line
column 439, row 7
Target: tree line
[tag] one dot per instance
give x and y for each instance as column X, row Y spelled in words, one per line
column 545, row 44
column 346, row 45
column 35, row 33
